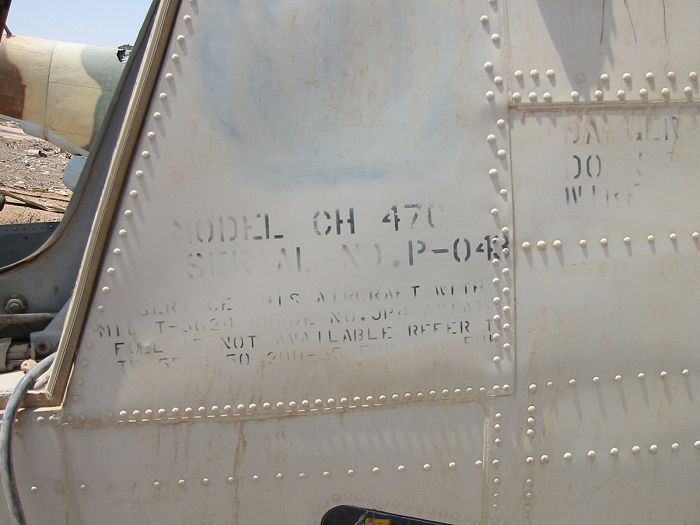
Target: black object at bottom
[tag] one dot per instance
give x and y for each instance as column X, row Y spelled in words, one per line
column 347, row 515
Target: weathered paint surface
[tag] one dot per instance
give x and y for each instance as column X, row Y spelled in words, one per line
column 57, row 88
column 285, row 316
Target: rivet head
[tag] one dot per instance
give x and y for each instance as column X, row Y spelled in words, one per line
column 604, row 78
column 175, row 57
column 169, row 76
column 325, row 474
column 484, row 19
column 145, row 154
column 620, row 94
column 279, row 475
column 180, row 38
column 501, row 154
column 133, row 194
column 675, row 447
column 122, row 233
column 105, row 289
column 688, row 91
column 644, row 93
column 351, row 472
column 572, row 382
column 583, row 243
column 541, row 245
column 653, row 449
column 495, row 38
column 544, row 459
column 426, row 466
column 635, row 449
column 627, row 240
column 695, row 236
column 641, row 375
column 529, row 432
column 697, row 444
column 156, row 484
column 591, row 454
column 490, row 95
column 614, row 451
column 596, row 379
column 665, row 92
column 491, row 138
column 494, row 211
column 663, row 374
column 230, row 479
column 685, row 372
column 498, row 81
column 525, row 245
column 157, row 115
column 671, row 75
column 626, row 77
column 567, row 456
column 488, row 66
column 163, row 96
column 34, row 488
column 673, row 236
column 575, row 96
column 128, row 213
column 532, row 388
column 529, row 460
column 496, row 359
column 375, row 470
column 649, row 76
column 255, row 477
column 650, row 238
column 532, row 96
column 451, row 464
column 517, row 97
column 617, row 378
column 604, row 241
column 556, row 244
column 187, row 18
column 139, row 174
column 500, row 123
column 693, row 76
column 151, row 135
column 598, row 94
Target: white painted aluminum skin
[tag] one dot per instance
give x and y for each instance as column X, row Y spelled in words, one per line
column 434, row 258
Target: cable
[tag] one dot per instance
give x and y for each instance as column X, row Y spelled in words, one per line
column 7, row 470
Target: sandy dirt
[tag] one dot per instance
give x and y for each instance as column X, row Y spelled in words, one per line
column 31, row 169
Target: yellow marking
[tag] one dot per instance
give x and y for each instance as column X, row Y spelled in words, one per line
column 377, row 521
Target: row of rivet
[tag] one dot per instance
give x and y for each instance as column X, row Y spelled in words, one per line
column 617, row 378
column 304, row 406
column 501, row 301
column 614, row 452
column 182, row 482
column 604, row 78
column 145, row 155
column 528, row 489
column 503, row 335
column 494, row 461
column 599, row 94
column 557, row 244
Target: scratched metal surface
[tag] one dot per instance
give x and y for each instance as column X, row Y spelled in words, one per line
column 296, row 110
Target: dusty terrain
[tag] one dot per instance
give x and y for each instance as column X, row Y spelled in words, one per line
column 30, row 170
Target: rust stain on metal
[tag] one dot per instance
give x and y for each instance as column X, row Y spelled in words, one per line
column 12, row 87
